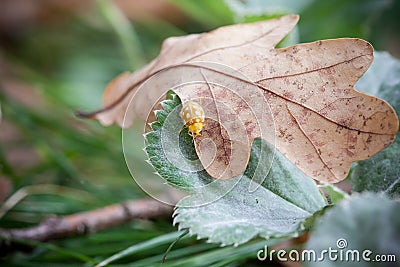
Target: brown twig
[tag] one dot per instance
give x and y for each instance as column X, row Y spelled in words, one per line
column 84, row 222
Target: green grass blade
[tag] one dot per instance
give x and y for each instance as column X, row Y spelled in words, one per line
column 164, row 239
column 125, row 32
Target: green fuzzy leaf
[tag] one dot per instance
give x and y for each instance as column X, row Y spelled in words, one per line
column 162, row 139
column 276, row 209
column 335, row 194
column 362, row 222
column 382, row 171
column 231, row 212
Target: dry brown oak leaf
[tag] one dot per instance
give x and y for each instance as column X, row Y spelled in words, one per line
column 316, row 117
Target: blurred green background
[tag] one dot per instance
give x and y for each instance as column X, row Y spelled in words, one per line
column 56, row 57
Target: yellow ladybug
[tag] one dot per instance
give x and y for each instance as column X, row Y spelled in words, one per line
column 192, row 115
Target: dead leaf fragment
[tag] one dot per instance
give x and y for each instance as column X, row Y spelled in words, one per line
column 303, row 94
